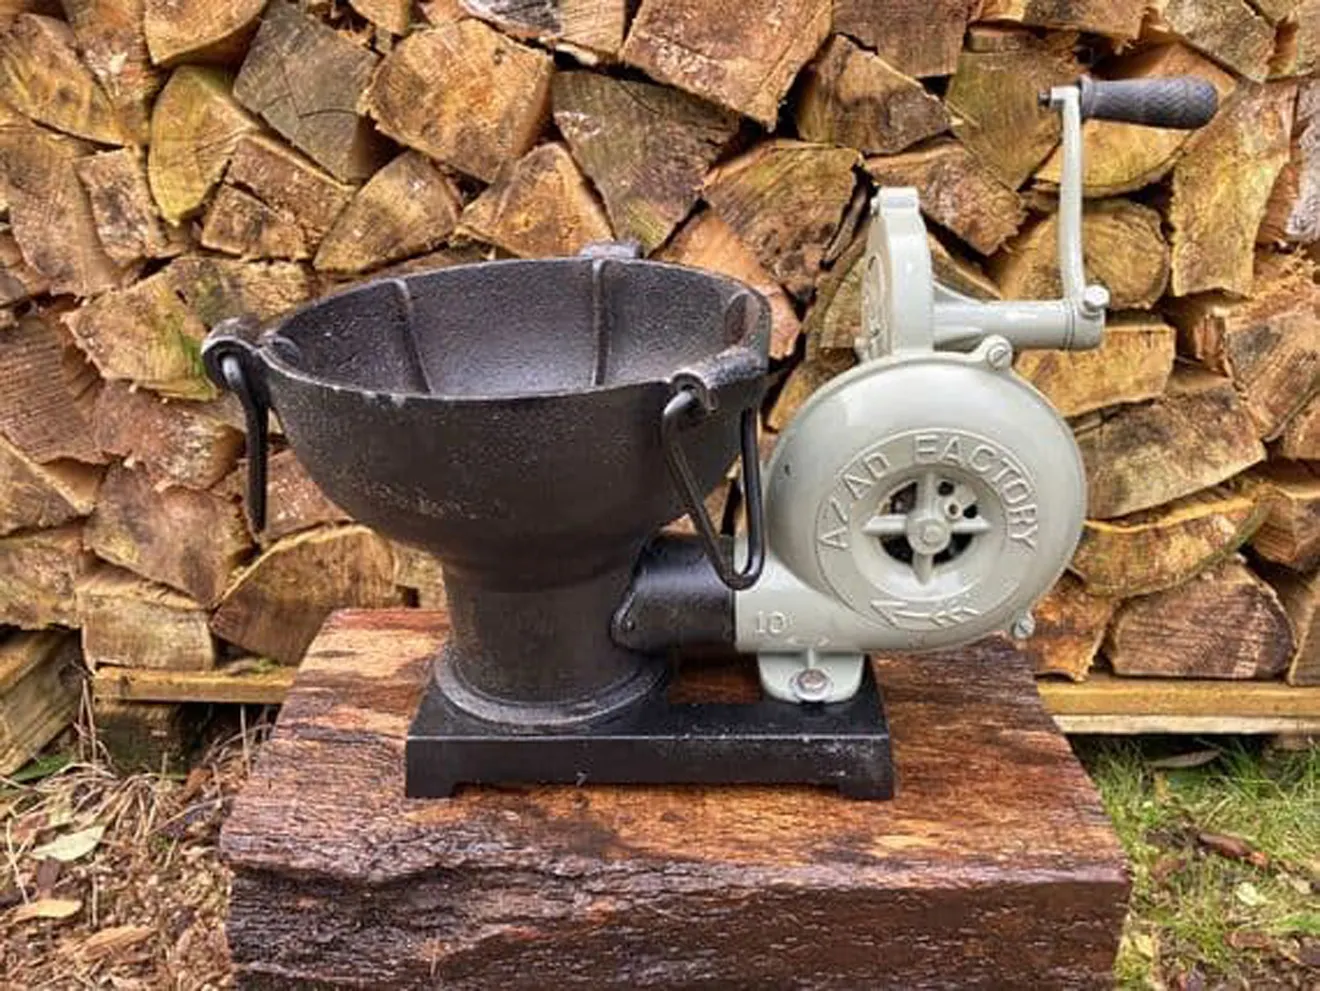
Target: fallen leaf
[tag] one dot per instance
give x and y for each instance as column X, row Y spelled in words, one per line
column 1166, row 867
column 1233, row 847
column 1309, row 954
column 47, row 908
column 72, row 846
column 48, row 872
column 107, row 942
column 1247, row 939
column 1197, row 758
column 1299, row 884
column 193, row 785
column 1249, row 895
column 1189, row 981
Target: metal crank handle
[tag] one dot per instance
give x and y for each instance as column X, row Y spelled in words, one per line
column 1183, row 102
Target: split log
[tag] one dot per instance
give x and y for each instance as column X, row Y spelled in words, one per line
column 1268, row 345
column 1221, row 186
column 151, row 333
column 646, row 148
column 307, row 80
column 199, row 30
column 41, row 76
column 956, row 191
column 189, row 540
column 393, row 16
column 1122, row 247
column 195, row 125
column 420, row 573
column 39, row 576
column 287, row 182
column 994, row 98
column 1297, row 44
column 1228, row 31
column 743, row 56
column 40, row 689
column 1070, row 626
column 238, row 223
column 34, row 496
column 1120, row 158
column 1300, row 595
column 1290, row 534
column 10, row 9
column 802, row 383
column 19, row 281
column 49, row 390
column 176, row 442
column 1293, row 212
column 854, row 98
column 277, row 604
column 596, row 25
column 463, row 94
column 918, row 37
column 127, row 223
column 146, row 737
column 1113, row 18
column 1300, row 440
column 49, row 212
column 408, row 207
column 1275, row 11
column 785, row 200
column 293, row 501
column 1132, row 364
column 112, row 41
column 128, row 621
column 1161, row 548
column 542, row 207
column 707, row 242
column 1197, row 435
column 1226, row 623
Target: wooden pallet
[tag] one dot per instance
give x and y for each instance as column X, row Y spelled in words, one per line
column 1102, row 704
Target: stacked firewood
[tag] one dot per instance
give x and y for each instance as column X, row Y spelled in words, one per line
column 165, row 164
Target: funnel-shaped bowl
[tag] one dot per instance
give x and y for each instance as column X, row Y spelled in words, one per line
column 506, row 416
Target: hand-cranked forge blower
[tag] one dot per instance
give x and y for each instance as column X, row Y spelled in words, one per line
column 536, row 423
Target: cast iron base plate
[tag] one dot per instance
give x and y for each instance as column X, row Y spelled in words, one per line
column 844, row 744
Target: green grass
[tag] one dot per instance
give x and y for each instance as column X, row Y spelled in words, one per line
column 1198, row 912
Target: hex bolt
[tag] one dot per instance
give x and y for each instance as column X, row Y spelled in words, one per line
column 811, row 684
column 1023, row 627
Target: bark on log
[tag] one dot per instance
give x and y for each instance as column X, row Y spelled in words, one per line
column 145, row 737
column 39, row 575
column 307, row 82
column 1132, row 364
column 854, row 98
column 1113, row 18
column 1162, row 548
column 1120, row 158
column 808, row 376
column 293, row 501
column 957, row 191
column 1227, row 623
column 1221, row 186
column 596, row 25
column 1122, row 246
column 1268, row 345
column 49, row 212
column 40, row 688
column 180, row 443
column 41, row 76
column 1300, row 595
column 1297, row 43
column 706, row 241
column 289, row 183
column 1228, row 31
column 463, row 94
column 199, row 30
column 111, row 39
column 785, row 201
column 918, row 37
column 408, row 207
column 543, row 207
column 1197, row 435
column 994, row 99
column 1290, row 533
column 1300, row 439
column 1070, row 626
column 646, row 148
column 46, row 403
column 189, row 540
column 36, row 496
column 995, row 856
column 277, row 604
column 743, row 55
column 195, row 125
column 131, row 622
column 128, row 224
column 1292, row 214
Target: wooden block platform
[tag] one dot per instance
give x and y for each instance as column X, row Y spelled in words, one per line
column 994, row 867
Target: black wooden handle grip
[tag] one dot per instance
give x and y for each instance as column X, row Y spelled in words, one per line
column 1183, row 102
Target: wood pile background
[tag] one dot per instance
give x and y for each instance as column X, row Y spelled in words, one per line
column 168, row 163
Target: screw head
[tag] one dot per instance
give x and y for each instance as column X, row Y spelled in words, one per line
column 1095, row 300
column 999, row 354
column 1023, row 627
column 811, row 684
